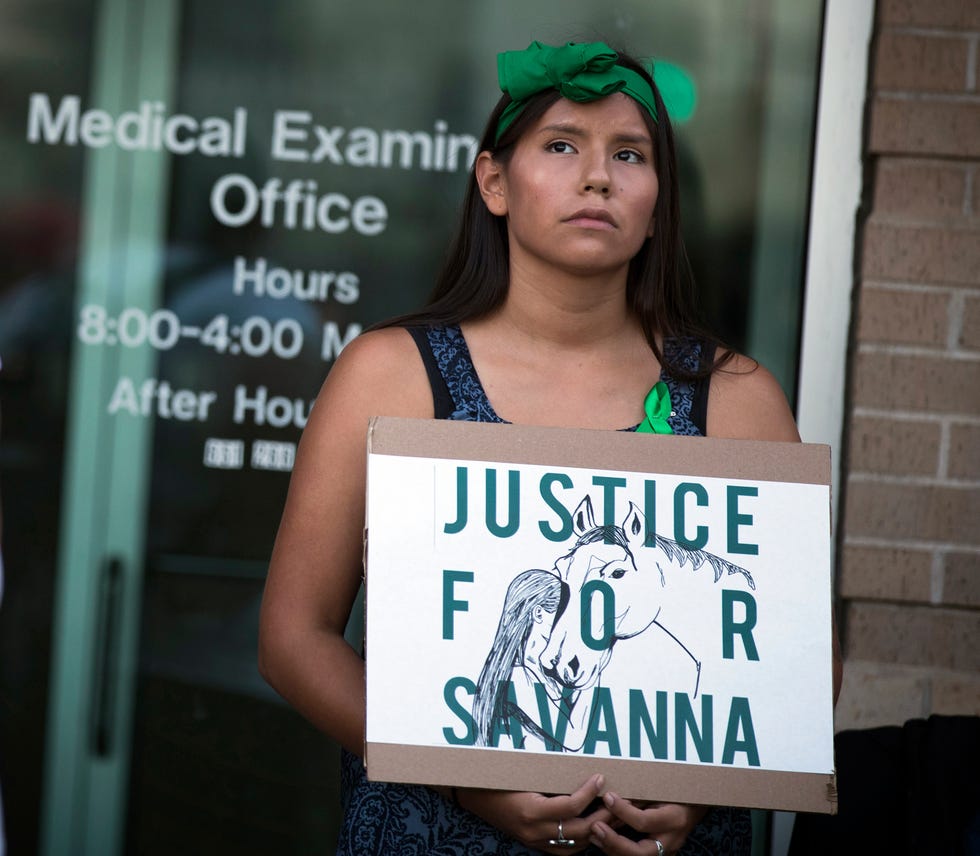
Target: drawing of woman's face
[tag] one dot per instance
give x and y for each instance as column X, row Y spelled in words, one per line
column 542, row 622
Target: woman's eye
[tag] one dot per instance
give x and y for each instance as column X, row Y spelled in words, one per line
column 630, row 156
column 619, row 573
column 560, row 147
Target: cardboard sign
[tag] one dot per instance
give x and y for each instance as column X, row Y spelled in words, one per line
column 544, row 604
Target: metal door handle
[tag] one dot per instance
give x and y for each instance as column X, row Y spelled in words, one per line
column 106, row 657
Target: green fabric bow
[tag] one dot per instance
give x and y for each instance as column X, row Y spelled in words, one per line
column 657, row 408
column 584, row 72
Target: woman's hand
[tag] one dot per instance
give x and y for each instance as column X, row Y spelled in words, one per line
column 668, row 823
column 533, row 819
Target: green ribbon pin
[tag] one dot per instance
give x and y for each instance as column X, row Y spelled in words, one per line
column 657, row 408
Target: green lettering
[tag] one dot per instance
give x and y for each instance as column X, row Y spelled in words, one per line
column 701, row 498
column 554, row 736
column 602, row 713
column 685, row 723
column 548, row 480
column 735, row 519
column 449, row 694
column 513, row 504
column 740, row 716
column 598, row 643
column 505, row 709
column 461, row 504
column 640, row 716
column 608, row 485
column 650, row 511
column 730, row 628
column 450, row 606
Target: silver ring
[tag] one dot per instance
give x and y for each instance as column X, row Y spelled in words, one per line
column 561, row 840
column 660, row 848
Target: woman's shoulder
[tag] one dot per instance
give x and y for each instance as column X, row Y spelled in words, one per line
column 380, row 343
column 381, row 371
column 746, row 402
column 388, row 351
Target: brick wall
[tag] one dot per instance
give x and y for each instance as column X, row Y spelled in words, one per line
column 909, row 570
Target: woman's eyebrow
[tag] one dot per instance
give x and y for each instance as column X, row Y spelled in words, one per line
column 567, row 128
column 634, row 139
column 564, row 128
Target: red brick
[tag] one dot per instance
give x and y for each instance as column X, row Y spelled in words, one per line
column 900, row 317
column 884, row 573
column 921, row 254
column 919, row 189
column 961, row 580
column 911, row 512
column 874, row 695
column 916, row 383
column 964, row 452
column 914, row 635
column 970, row 329
column 956, row 694
column 926, row 126
column 929, row 13
column 972, row 82
column 921, row 63
column 894, row 446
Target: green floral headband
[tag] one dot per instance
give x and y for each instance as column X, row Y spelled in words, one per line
column 579, row 72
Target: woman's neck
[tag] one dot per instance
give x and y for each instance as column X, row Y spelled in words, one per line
column 564, row 351
column 567, row 310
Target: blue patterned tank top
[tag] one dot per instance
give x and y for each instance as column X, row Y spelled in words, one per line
column 458, row 393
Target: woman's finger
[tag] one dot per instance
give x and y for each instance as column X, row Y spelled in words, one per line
column 613, row 844
column 579, row 829
column 577, row 802
column 666, row 823
column 561, row 819
column 639, row 818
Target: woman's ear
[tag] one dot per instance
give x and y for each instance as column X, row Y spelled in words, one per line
column 491, row 181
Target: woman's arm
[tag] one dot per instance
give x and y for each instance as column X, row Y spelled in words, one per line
column 745, row 402
column 316, row 565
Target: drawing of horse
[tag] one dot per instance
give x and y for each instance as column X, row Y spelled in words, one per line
column 602, row 566
column 546, row 652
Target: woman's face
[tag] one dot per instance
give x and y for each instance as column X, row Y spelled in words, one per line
column 579, row 190
column 540, row 632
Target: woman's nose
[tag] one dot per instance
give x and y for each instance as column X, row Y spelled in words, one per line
column 596, row 176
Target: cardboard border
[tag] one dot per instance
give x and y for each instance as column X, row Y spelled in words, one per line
column 759, row 460
column 690, row 783
column 755, row 460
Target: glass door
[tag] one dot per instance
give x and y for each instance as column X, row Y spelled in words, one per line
column 102, row 539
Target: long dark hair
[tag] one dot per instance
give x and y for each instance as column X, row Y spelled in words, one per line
column 659, row 286
column 527, row 591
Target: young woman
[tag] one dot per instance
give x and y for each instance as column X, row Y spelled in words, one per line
column 566, row 299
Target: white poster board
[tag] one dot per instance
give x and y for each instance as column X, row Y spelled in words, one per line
column 543, row 604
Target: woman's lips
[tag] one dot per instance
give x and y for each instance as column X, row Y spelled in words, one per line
column 592, row 218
